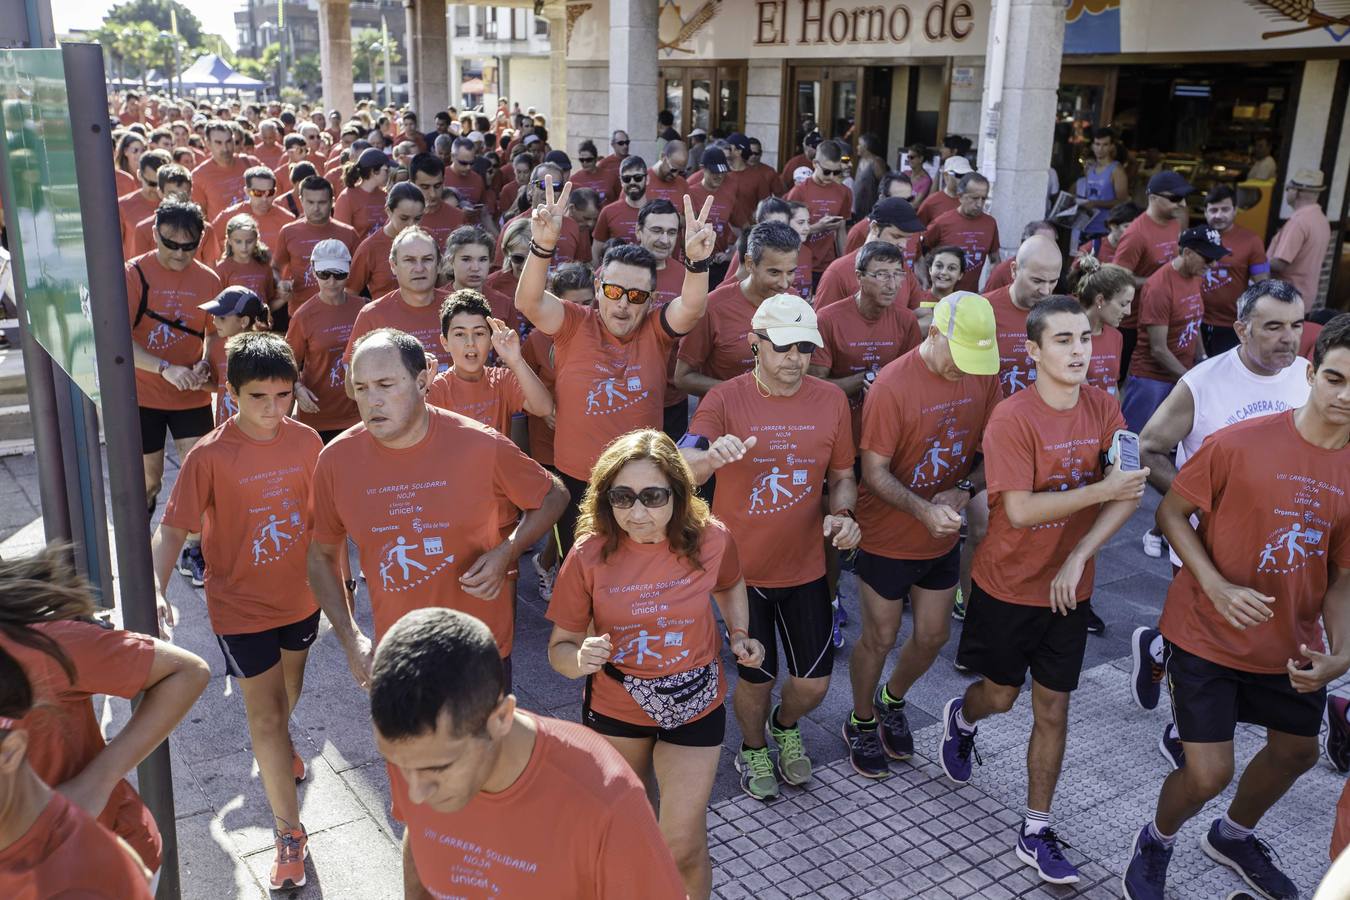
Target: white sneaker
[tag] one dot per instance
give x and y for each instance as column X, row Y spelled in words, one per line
column 1154, row 544
column 546, row 577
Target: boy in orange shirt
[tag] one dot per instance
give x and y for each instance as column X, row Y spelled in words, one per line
column 246, row 485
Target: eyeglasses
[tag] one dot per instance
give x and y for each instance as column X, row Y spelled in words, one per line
column 188, row 246
column 254, row 192
column 463, row 162
column 635, row 296
column 831, row 173
column 649, row 497
column 621, row 143
column 806, row 348
column 634, row 179
column 887, row 277
column 324, row 276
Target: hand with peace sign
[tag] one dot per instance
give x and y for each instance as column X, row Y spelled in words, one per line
column 546, row 219
column 699, row 233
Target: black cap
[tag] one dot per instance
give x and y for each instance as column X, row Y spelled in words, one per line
column 1203, row 240
column 813, row 139
column 559, row 159
column 235, row 301
column 371, row 158
column 714, row 160
column 1169, row 182
column 739, row 141
column 896, row 213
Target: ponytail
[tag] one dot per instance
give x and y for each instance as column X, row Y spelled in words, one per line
column 1090, row 278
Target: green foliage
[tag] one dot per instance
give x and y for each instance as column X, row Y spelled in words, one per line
column 156, row 14
column 368, row 54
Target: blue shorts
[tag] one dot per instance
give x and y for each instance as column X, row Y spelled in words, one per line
column 1143, row 396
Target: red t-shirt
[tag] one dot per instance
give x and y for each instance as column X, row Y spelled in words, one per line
column 318, row 334
column 1016, row 370
column 1028, row 446
column 500, row 291
column 492, row 400
column 785, row 179
column 653, row 605
column 616, row 220
column 801, row 276
column 176, row 296
column 420, row 526
column 1103, row 249
column 598, row 181
column 977, row 237
column 576, row 825
column 931, row 429
column 840, row 282
column 1225, row 281
column 472, row 190
column 249, row 500
column 722, row 213
column 1000, row 276
column 935, row 205
column 1143, row 249
column 363, row 210
column 131, row 211
column 441, row 221
column 1168, row 299
column 672, row 190
column 216, row 187
column 1274, row 517
column 717, row 347
column 216, row 361
column 64, row 734
column 854, row 344
column 823, row 200
column 857, row 235
column 391, row 311
column 605, row 386
column 1104, row 369
column 537, row 352
column 771, row 499
column 570, row 240
column 371, row 273
column 65, row 853
column 669, row 285
column 270, row 224
column 294, row 247
column 255, row 276
column 1308, row 342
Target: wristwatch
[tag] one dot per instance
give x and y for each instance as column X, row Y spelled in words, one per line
column 163, row 365
column 870, row 376
column 965, row 485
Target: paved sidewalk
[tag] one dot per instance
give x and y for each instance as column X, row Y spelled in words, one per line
column 912, row 835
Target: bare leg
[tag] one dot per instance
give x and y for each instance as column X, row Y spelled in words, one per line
column 1270, row 775
column 984, row 699
column 880, row 626
column 1208, row 769
column 932, row 626
column 977, row 524
column 266, row 705
column 800, row 696
column 686, row 775
column 153, row 466
column 183, row 445
column 1045, row 750
column 750, row 702
column 638, row 753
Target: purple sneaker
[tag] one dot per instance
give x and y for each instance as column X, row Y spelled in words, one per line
column 1146, row 876
column 1146, row 675
column 1250, row 858
column 957, row 745
column 1171, row 747
column 1042, row 852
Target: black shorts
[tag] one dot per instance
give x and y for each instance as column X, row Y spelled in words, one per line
column 184, row 423
column 706, row 731
column 1002, row 640
column 675, row 420
column 893, row 578
column 567, row 525
column 1209, row 699
column 803, row 617
column 250, row 655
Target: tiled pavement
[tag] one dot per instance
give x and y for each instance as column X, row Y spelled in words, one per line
column 912, row 835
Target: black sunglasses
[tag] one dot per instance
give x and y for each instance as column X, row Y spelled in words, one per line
column 833, row 173
column 649, row 497
column 1173, row 197
column 634, row 179
column 635, row 296
column 621, row 143
column 585, row 159
column 189, row 246
column 806, row 348
column 324, row 276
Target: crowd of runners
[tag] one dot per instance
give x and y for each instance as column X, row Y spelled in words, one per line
column 433, row 362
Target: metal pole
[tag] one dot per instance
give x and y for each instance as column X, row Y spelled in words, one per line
column 117, row 385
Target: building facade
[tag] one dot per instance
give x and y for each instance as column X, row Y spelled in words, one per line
column 499, row 51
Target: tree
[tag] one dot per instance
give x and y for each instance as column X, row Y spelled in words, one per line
column 110, row 35
column 305, row 72
column 155, row 13
column 368, row 54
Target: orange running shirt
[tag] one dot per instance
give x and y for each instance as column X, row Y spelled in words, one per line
column 1274, row 517
column 143, row 241
column 1169, row 299
column 215, row 357
column 249, row 499
column 854, row 344
column 717, row 347
column 175, row 296
column 1143, row 249
column 823, row 200
column 441, row 221
column 294, row 247
column 934, row 206
column 931, row 429
column 371, row 273
column 771, row 499
column 491, row 400
column 1104, row 369
column 1225, row 281
column 1016, row 369
column 840, row 282
column 977, row 237
column 363, row 210
column 390, row 311
column 65, row 853
column 270, row 223
column 216, row 187
column 616, row 220
column 538, row 354
column 318, row 334
column 1030, row 447
column 255, row 276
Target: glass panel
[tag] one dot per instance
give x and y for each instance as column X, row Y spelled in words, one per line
column 674, row 92
column 700, row 104
column 844, row 110
column 807, row 110
column 729, row 104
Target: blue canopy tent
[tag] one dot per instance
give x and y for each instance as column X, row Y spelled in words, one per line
column 210, row 72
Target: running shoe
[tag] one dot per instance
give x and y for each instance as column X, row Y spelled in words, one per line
column 1154, row 544
column 959, row 606
column 864, row 750
column 1251, row 858
column 1146, row 875
column 756, row 770
column 288, row 869
column 1043, row 851
column 793, row 763
column 1095, row 625
column 840, row 620
column 957, row 746
column 1146, row 674
column 896, row 738
column 191, row 564
column 1338, row 733
column 298, row 766
column 546, row 577
column 1170, row 746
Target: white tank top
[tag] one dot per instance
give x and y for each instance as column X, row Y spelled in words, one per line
column 1225, row 391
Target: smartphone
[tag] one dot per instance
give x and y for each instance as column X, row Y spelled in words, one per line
column 1124, row 452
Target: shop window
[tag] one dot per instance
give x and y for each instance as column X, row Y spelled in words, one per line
column 704, row 97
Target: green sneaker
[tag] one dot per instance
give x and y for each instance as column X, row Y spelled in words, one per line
column 756, row 769
column 793, row 762
column 959, row 607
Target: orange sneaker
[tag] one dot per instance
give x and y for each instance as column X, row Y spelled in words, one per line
column 289, row 866
column 298, row 766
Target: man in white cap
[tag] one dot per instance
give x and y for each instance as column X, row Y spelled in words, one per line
column 698, row 142
column 777, row 437
column 1299, row 247
column 944, row 201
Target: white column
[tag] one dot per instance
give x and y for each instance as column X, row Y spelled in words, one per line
column 1017, row 123
column 557, row 72
column 429, row 58
column 454, row 80
column 335, row 55
column 633, row 103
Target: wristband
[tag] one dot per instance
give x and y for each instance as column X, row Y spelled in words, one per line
column 846, row 513
column 542, row 252
column 965, row 485
column 698, row 268
column 736, row 631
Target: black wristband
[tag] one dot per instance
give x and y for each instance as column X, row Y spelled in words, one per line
column 847, row 513
column 541, row 252
column 696, row 267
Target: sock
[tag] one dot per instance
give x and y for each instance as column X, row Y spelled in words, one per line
column 1166, row 840
column 961, row 722
column 867, row 724
column 890, row 701
column 746, row 748
column 1232, row 830
column 773, row 720
column 1155, row 649
column 1035, row 822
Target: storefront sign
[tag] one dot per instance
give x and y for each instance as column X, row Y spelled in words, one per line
column 819, row 22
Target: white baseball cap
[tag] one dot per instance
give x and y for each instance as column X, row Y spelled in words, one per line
column 957, row 165
column 800, row 174
column 331, row 255
column 787, row 319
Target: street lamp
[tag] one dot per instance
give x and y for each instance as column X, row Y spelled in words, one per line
column 381, row 47
column 265, row 32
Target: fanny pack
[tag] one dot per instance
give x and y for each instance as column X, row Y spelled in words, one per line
column 671, row 700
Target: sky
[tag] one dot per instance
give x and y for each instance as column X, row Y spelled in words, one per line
column 217, row 16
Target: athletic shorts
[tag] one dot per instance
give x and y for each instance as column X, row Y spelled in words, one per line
column 327, row 435
column 893, row 578
column 1209, row 699
column 707, row 730
column 1143, row 396
column 675, row 420
column 183, row 423
column 804, row 618
column 250, row 655
column 1002, row 641
column 567, row 524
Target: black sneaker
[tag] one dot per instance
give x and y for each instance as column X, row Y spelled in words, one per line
column 1338, row 733
column 191, row 564
column 864, row 750
column 896, row 738
column 1251, row 858
column 1171, row 748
